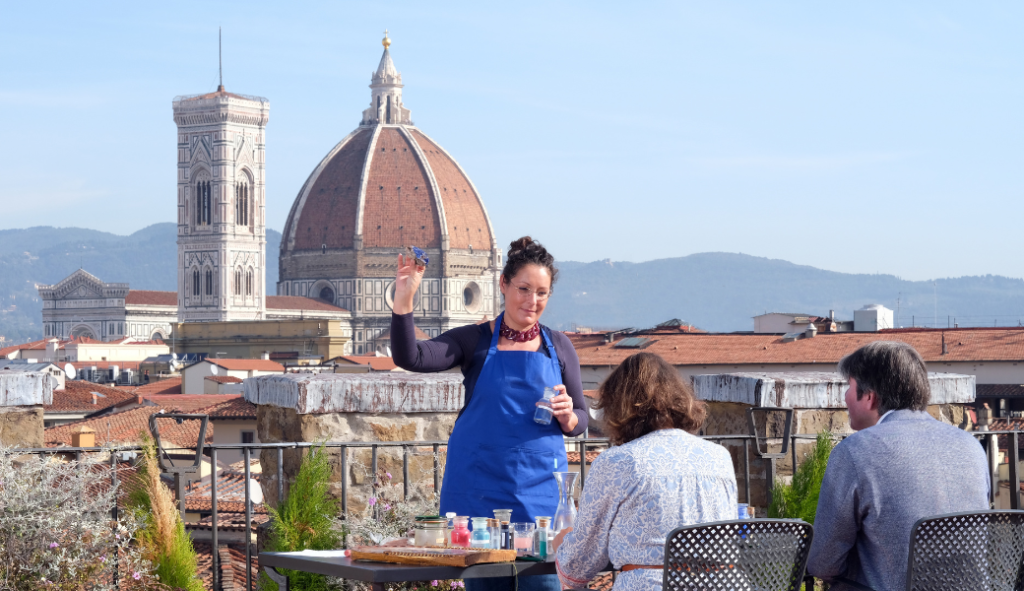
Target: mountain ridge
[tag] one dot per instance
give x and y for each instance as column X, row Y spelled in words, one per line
column 716, row 291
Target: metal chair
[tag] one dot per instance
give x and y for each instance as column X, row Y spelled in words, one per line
column 749, row 554
column 981, row 551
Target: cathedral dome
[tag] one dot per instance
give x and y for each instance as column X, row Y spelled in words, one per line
column 387, row 185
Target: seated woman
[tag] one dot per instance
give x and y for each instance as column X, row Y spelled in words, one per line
column 658, row 477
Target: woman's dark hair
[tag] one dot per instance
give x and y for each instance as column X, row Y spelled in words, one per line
column 526, row 251
column 645, row 394
column 893, row 370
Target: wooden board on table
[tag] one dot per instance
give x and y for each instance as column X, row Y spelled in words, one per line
column 432, row 556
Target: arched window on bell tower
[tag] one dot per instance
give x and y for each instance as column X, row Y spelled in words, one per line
column 202, row 201
column 209, row 282
column 195, row 282
column 389, row 109
column 243, row 203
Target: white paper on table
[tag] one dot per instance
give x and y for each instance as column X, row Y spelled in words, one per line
column 321, row 553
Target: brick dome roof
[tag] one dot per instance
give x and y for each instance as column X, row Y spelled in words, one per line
column 392, row 186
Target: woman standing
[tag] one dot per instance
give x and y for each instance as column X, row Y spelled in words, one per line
column 498, row 457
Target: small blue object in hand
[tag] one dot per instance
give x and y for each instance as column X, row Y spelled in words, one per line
column 421, row 257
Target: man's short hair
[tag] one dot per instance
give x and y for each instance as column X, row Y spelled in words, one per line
column 893, row 370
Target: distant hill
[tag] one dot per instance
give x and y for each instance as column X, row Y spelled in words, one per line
column 45, row 255
column 722, row 292
column 714, row 291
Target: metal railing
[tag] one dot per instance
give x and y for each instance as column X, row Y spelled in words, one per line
column 988, row 439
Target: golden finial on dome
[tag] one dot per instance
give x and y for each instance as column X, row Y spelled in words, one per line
column 385, row 42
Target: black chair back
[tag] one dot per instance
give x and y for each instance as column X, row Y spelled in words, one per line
column 749, row 554
column 982, row 551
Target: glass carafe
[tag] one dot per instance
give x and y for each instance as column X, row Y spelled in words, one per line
column 565, row 515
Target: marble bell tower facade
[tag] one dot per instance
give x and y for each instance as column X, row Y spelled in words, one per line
column 221, row 206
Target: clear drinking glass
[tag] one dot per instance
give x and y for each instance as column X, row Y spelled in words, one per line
column 523, row 533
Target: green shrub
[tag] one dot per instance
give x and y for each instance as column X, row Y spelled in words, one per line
column 306, row 520
column 799, row 500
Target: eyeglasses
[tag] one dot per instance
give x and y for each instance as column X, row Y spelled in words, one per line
column 526, row 292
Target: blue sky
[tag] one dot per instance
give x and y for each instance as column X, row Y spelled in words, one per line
column 866, row 137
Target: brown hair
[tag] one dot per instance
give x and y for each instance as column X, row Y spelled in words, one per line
column 893, row 370
column 645, row 394
column 526, row 251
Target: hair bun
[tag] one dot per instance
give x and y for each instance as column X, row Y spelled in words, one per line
column 520, row 244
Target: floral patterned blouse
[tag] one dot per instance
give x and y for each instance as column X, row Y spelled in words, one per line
column 635, row 495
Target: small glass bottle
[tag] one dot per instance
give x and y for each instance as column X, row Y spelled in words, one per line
column 544, row 413
column 460, row 535
column 450, row 516
column 504, row 516
column 541, row 538
column 494, row 528
column 481, row 537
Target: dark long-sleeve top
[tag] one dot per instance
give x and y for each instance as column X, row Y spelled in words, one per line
column 466, row 347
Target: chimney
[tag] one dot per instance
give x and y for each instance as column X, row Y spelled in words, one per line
column 832, row 315
column 83, row 437
column 811, row 331
column 944, row 348
column 265, row 356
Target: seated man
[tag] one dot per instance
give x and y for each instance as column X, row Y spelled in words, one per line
column 900, row 466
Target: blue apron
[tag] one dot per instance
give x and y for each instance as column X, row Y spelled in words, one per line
column 498, row 457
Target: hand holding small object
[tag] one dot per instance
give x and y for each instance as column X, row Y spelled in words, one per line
column 561, row 409
column 407, row 281
column 417, row 253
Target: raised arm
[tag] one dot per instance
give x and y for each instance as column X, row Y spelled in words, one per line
column 438, row 354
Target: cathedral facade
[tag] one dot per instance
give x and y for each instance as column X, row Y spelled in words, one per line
column 385, row 186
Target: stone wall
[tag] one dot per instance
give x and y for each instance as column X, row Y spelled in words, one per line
column 22, row 396
column 360, row 408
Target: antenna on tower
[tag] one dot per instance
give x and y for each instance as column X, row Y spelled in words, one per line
column 220, row 59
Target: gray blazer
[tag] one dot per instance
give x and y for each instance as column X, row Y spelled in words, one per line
column 879, row 482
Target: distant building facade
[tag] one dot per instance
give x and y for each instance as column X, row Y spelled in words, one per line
column 82, row 305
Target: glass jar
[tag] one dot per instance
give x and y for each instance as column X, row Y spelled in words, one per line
column 460, row 535
column 451, row 525
column 430, row 532
column 481, row 536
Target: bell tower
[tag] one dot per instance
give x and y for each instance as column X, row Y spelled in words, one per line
column 221, row 227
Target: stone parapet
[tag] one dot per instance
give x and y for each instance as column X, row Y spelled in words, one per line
column 22, row 396
column 812, row 389
column 358, row 393
column 361, row 409
column 25, row 388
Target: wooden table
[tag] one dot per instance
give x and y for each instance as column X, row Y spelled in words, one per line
column 378, row 574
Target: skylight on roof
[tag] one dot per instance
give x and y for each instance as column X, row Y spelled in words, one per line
column 98, row 394
column 633, row 343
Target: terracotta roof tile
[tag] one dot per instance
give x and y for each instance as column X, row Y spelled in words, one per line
column 463, row 211
column 127, row 427
column 230, row 494
column 224, row 379
column 139, row 297
column 399, row 207
column 300, row 303
column 998, row 390
column 191, row 403
column 77, row 396
column 328, row 215
column 160, row 387
column 993, row 344
column 239, row 408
